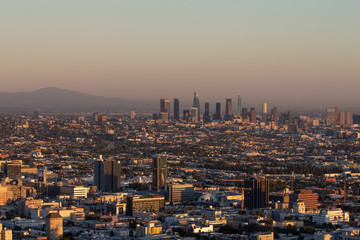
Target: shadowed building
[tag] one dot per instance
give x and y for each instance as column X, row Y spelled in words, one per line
column 176, row 109
column 256, row 193
column 207, row 112
column 112, row 174
column 218, row 112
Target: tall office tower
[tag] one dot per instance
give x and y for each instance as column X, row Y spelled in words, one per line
column 165, row 106
column 228, row 110
column 337, row 116
column 54, row 226
column 330, row 116
column 349, row 118
column 256, row 193
column 99, row 179
column 196, row 103
column 207, row 112
column 239, row 106
column 342, row 118
column 218, row 112
column 289, row 117
column 252, row 115
column 276, row 115
column 194, row 113
column 160, row 173
column 244, row 114
column 112, row 175
column 176, row 109
column 264, row 112
column 13, row 170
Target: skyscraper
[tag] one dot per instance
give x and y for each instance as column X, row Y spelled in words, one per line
column 99, row 178
column 337, row 116
column 160, row 173
column 349, row 118
column 257, row 193
column 264, row 112
column 176, row 109
column 165, row 106
column 196, row 103
column 112, row 175
column 239, row 106
column 218, row 111
column 194, row 113
column 207, row 112
column 228, row 110
column 252, row 115
column 330, row 118
column 276, row 115
column 244, row 114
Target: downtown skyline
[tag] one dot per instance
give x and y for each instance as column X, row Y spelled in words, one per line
column 300, row 53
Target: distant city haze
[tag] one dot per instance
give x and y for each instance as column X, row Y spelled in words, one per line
column 287, row 53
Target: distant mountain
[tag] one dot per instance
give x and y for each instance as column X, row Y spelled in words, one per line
column 54, row 99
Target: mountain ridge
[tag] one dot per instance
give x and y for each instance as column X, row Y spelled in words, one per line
column 54, row 99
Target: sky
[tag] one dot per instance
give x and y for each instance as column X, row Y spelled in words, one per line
column 282, row 52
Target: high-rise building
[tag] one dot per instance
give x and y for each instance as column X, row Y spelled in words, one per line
column 112, row 174
column 289, row 117
column 349, row 118
column 160, row 173
column 99, row 178
column 132, row 115
column 196, row 103
column 342, row 118
column 276, row 115
column 264, row 112
column 244, row 114
column 165, row 106
column 194, row 114
column 330, row 116
column 176, row 109
column 252, row 115
column 13, row 170
column 337, row 116
column 256, row 193
column 228, row 110
column 186, row 115
column 54, row 226
column 239, row 106
column 218, row 112
column 207, row 112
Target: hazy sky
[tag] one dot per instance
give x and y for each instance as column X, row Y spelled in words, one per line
column 278, row 51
